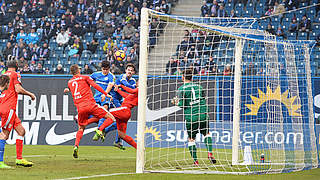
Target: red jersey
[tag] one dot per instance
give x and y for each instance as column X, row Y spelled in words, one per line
column 9, row 97
column 130, row 100
column 79, row 86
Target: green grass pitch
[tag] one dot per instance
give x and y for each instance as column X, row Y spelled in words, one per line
column 56, row 162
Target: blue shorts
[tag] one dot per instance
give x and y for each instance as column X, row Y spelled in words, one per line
column 111, row 104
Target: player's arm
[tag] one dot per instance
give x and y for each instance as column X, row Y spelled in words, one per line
column 20, row 90
column 97, row 87
column 122, row 93
column 178, row 100
column 129, row 90
column 126, row 83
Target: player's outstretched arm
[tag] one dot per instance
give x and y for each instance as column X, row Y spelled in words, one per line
column 129, row 90
column 123, row 94
column 20, row 90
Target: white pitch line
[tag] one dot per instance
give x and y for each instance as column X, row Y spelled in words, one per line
column 94, row 176
column 115, row 157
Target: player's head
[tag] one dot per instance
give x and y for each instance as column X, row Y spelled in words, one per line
column 187, row 75
column 130, row 70
column 105, row 67
column 74, row 69
column 4, row 82
column 12, row 63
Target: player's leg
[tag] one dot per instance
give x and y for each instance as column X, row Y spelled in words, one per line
column 117, row 143
column 19, row 142
column 77, row 142
column 192, row 130
column 204, row 130
column 4, row 135
column 122, row 128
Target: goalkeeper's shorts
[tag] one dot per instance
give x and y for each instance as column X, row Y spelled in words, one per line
column 199, row 126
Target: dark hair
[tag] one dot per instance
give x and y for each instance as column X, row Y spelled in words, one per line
column 105, row 64
column 187, row 74
column 74, row 69
column 131, row 65
column 12, row 63
column 4, row 79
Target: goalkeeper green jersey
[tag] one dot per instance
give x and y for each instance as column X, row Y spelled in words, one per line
column 192, row 100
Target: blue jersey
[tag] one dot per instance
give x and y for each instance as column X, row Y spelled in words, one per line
column 130, row 83
column 103, row 81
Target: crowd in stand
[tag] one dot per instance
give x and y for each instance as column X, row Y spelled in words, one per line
column 32, row 26
column 195, row 49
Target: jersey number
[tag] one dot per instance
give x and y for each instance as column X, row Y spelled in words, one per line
column 76, row 93
column 193, row 94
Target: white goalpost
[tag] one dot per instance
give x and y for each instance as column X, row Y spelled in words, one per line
column 257, row 88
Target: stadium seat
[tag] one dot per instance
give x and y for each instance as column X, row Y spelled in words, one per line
column 292, row 36
column 229, row 7
column 88, row 36
column 246, row 14
column 58, row 50
column 302, row 36
column 74, row 59
column 99, row 35
column 63, row 58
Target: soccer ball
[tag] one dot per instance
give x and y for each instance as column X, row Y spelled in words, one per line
column 119, row 55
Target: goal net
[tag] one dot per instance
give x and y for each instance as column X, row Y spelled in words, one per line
column 258, row 94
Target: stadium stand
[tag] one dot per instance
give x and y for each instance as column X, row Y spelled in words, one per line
column 75, row 31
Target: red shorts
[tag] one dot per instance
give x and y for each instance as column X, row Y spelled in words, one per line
column 95, row 110
column 122, row 115
column 9, row 120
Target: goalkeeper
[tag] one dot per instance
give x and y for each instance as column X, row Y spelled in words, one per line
column 191, row 99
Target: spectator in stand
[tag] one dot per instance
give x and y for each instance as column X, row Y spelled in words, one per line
column 205, row 9
column 21, row 35
column 214, row 8
column 76, row 48
column 133, row 55
column 80, row 18
column 128, row 30
column 114, row 69
column 8, row 50
column 305, row 24
column 33, row 37
column 134, row 21
column 87, row 69
column 62, row 38
column 250, row 71
column 211, row 66
column 59, row 69
column 26, row 69
column 51, row 12
column 184, row 45
column 99, row 14
column 92, row 47
column 39, row 69
column 171, row 66
column 232, row 14
column 77, row 30
column 109, row 45
column 222, row 12
column 90, row 25
column 184, row 63
column 279, row 9
column 269, row 3
column 110, row 57
column 281, row 33
column 44, row 53
column 291, row 4
column 108, row 30
column 270, row 29
column 17, row 51
column 26, row 55
column 100, row 26
column 117, row 34
column 135, row 39
column 293, row 27
column 164, row 7
column 227, row 70
column 107, row 15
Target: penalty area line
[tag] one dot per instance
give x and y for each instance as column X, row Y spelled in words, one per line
column 95, row 176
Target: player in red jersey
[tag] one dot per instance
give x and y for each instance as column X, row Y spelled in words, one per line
column 9, row 118
column 122, row 114
column 79, row 86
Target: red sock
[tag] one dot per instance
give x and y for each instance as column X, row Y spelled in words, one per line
column 130, row 141
column 92, row 120
column 19, row 147
column 78, row 137
column 105, row 124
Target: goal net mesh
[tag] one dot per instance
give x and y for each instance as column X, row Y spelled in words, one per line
column 276, row 123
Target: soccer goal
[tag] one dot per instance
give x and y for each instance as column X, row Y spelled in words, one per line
column 258, row 93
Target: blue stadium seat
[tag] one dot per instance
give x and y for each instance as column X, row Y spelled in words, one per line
column 58, row 50
column 246, row 14
column 99, row 35
column 88, row 36
column 63, row 58
column 74, row 59
column 292, row 36
column 229, row 7
column 313, row 35
column 239, row 7
column 260, row 7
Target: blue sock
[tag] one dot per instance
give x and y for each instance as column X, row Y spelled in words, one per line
column 118, row 139
column 2, row 144
column 101, row 122
column 112, row 127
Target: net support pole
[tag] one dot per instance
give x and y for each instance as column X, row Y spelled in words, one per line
column 310, row 107
column 236, row 102
column 144, row 34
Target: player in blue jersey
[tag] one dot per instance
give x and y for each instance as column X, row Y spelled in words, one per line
column 106, row 80
column 128, row 81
